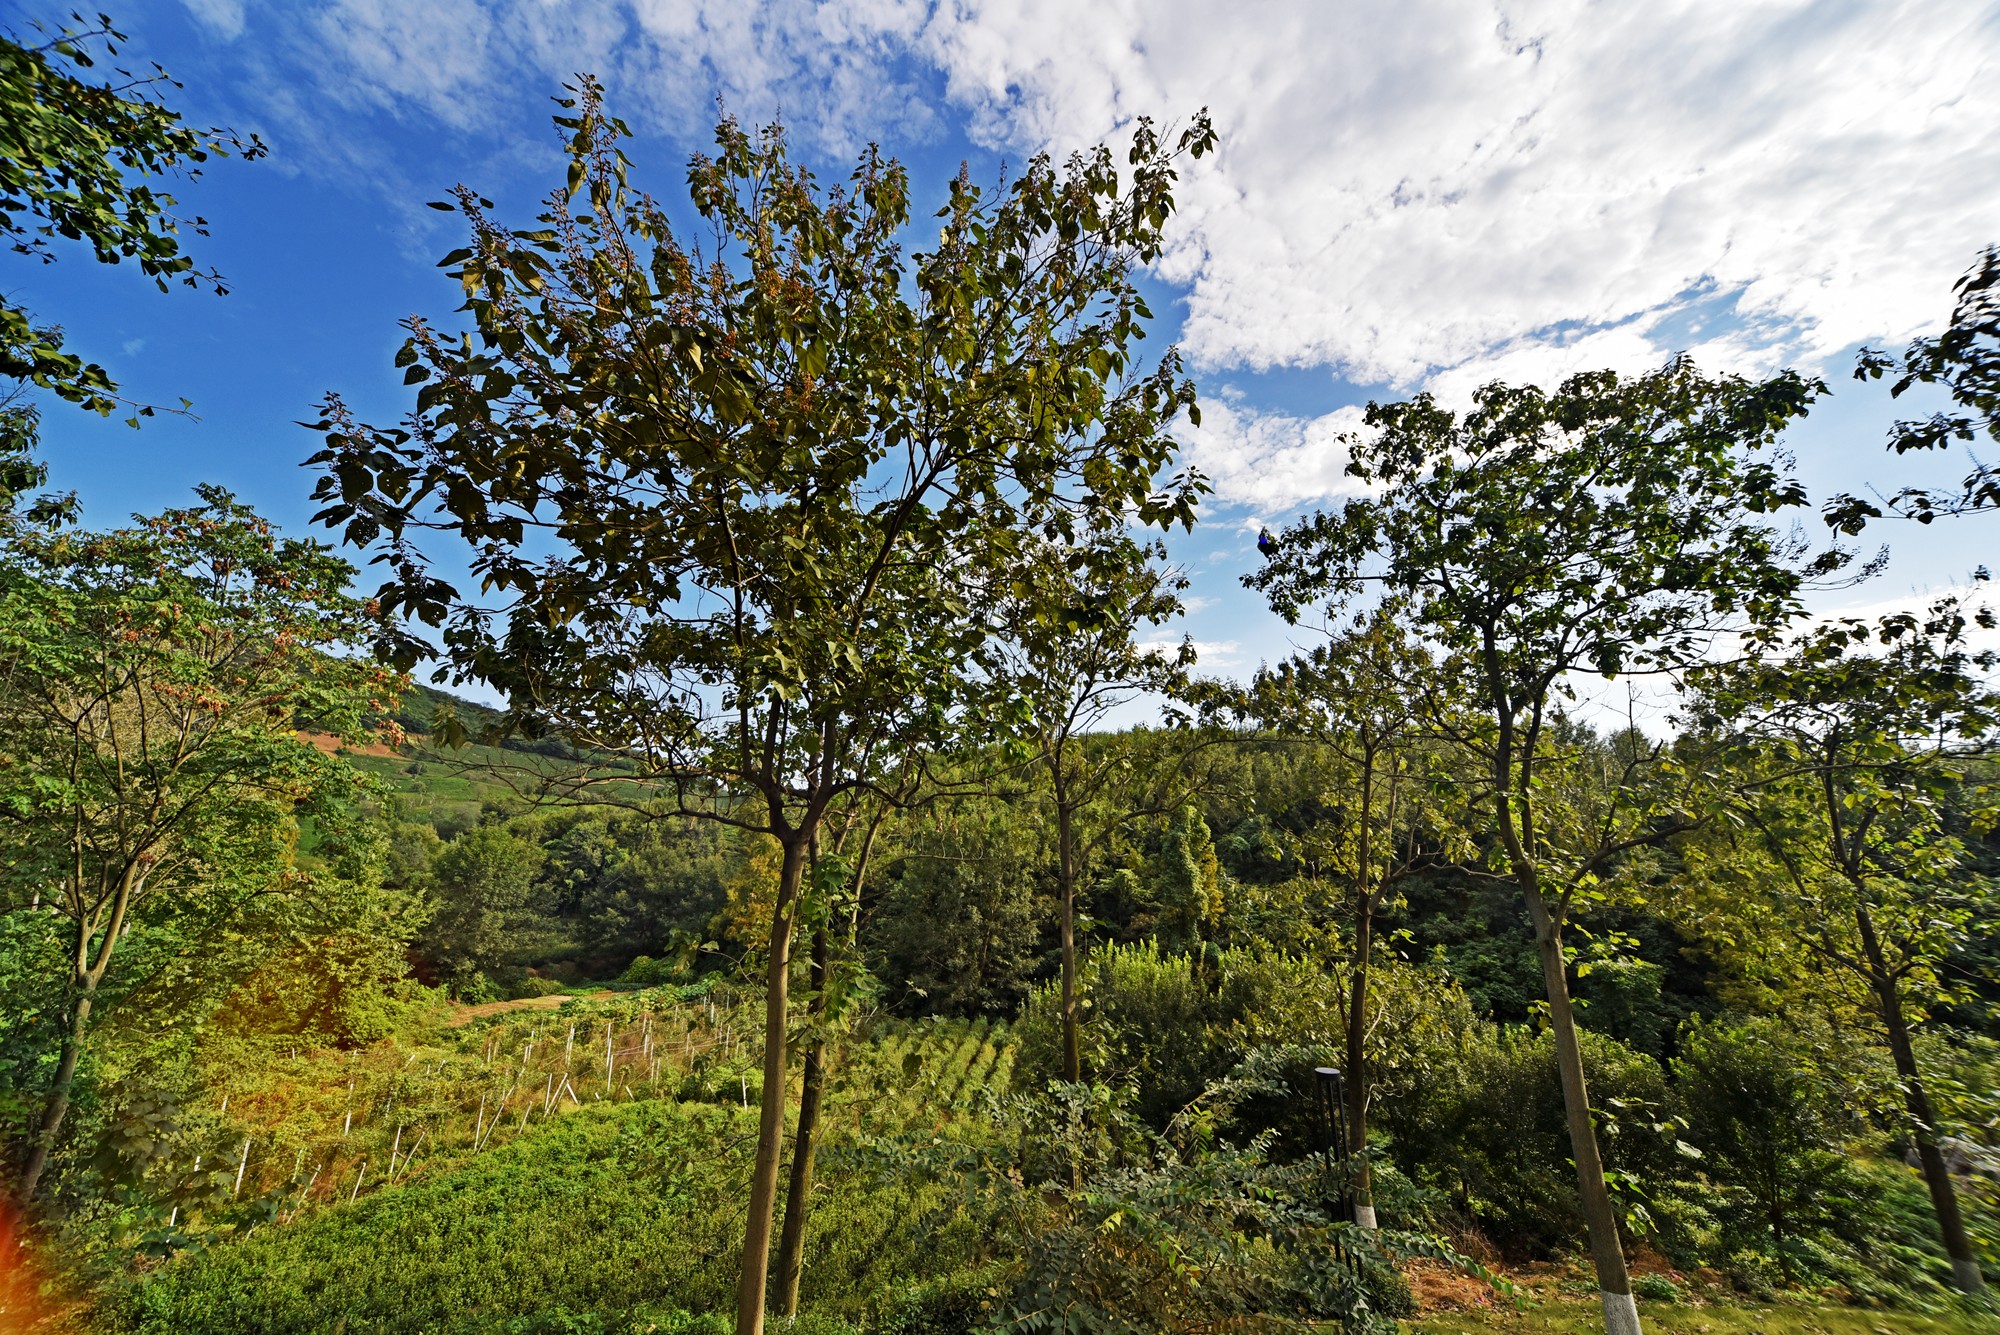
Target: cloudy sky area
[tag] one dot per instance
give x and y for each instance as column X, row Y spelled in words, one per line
column 1411, row 194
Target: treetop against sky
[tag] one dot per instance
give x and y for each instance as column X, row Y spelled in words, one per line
column 1406, row 196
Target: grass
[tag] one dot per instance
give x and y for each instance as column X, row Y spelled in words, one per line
column 315, row 1118
column 460, row 781
column 606, row 1213
column 602, row 1210
column 613, row 1213
column 621, row 1210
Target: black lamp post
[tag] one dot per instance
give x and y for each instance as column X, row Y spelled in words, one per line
column 1335, row 1107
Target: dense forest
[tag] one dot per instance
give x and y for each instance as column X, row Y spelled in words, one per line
column 848, row 916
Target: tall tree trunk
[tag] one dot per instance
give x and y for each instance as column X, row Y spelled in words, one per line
column 1072, row 1039
column 805, row 1141
column 1614, row 1284
column 57, row 1106
column 756, row 1265
column 1362, row 1183
column 87, row 974
column 1965, row 1274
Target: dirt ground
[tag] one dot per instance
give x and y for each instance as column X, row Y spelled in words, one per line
column 321, row 741
column 467, row 1014
column 1555, row 1300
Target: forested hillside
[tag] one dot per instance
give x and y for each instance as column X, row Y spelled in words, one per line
column 867, row 912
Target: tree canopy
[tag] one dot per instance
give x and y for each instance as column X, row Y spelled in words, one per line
column 78, row 162
column 745, row 502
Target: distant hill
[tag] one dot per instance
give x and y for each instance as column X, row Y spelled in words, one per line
column 449, row 787
column 422, row 705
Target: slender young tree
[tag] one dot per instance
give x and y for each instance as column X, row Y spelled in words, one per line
column 1853, row 741
column 1071, row 654
column 737, row 506
column 152, row 680
column 840, row 880
column 1364, row 701
column 1612, row 526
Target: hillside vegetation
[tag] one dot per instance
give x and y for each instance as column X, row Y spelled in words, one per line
column 814, row 942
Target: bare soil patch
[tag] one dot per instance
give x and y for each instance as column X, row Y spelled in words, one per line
column 467, row 1014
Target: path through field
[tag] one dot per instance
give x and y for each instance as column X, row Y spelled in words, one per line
column 467, row 1014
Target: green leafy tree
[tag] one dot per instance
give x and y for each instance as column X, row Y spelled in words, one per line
column 1769, row 1117
column 482, row 885
column 1965, row 362
column 1612, row 526
column 1361, row 701
column 1185, row 889
column 1854, row 741
column 1070, row 656
column 77, row 163
column 740, row 507
column 151, row 681
column 959, row 922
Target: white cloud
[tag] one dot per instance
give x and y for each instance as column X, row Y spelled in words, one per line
column 1408, row 192
column 1408, row 187
column 1207, row 653
column 222, row 17
column 1269, row 461
column 836, row 70
column 439, row 56
column 831, row 67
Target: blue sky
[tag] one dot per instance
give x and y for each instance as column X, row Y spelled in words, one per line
column 1424, row 194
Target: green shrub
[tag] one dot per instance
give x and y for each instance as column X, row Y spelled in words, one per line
column 1147, row 1023
column 1962, row 1075
column 1769, row 1118
column 1487, row 1129
column 1883, row 1244
column 343, row 989
column 1655, row 1288
column 1388, row 1292
column 645, row 971
column 949, row 1305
